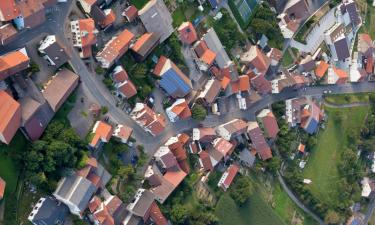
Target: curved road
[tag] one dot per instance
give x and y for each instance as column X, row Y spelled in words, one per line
column 53, row 25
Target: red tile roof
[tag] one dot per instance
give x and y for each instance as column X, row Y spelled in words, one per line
column 120, row 75
column 206, row 161
column 141, row 41
column 102, row 131
column 232, row 172
column 223, row 146
column 208, row 57
column 187, row 33
column 175, row 177
column 182, row 110
column 94, row 204
column 87, row 29
column 2, row 188
column 159, row 66
column 261, row 84
column 131, row 13
column 12, row 63
column 10, row 114
column 200, row 47
column 321, row 69
column 156, row 215
column 270, row 125
column 8, row 10
column 110, row 18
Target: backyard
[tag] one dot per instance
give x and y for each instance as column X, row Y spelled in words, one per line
column 368, row 12
column 322, row 167
column 347, row 98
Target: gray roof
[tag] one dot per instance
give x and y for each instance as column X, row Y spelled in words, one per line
column 50, row 212
column 57, row 53
column 213, row 42
column 143, row 203
column 247, row 157
column 77, row 190
column 342, row 49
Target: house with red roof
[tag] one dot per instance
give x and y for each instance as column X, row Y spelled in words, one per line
column 10, row 114
column 232, row 129
column 210, row 92
column 13, row 62
column 123, row 133
column 102, row 132
column 240, row 85
column 7, row 33
column 109, row 18
column 255, row 60
column 205, row 161
column 2, row 188
column 124, row 86
column 366, row 52
column 165, row 158
column 275, row 55
column 258, row 141
column 179, row 110
column 84, row 36
column 9, row 10
column 321, row 69
column 110, row 211
column 337, row 76
column 228, row 177
column 130, row 13
column 115, row 49
column 261, row 84
column 149, row 120
column 269, row 123
column 220, row 150
column 144, row 46
column 204, row 134
column 187, row 33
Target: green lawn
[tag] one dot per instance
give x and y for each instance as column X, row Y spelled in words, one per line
column 322, row 165
column 178, row 17
column 255, row 212
column 139, row 3
column 347, row 98
column 368, row 27
column 287, row 59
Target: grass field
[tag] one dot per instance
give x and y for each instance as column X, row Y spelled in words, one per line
column 255, row 212
column 369, row 15
column 178, row 17
column 322, row 166
column 347, row 98
column 139, row 3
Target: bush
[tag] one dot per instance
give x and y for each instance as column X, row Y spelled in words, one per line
column 199, row 112
column 104, row 110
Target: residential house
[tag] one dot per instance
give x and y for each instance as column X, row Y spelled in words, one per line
column 210, row 92
column 366, row 52
column 123, row 133
column 130, row 13
column 173, row 80
column 228, row 177
column 205, row 161
column 59, row 88
column 109, row 18
column 13, row 62
column 301, row 148
column 7, row 34
column 338, row 42
column 241, row 85
column 31, row 14
column 258, row 141
column 53, row 51
column 48, row 211
column 35, row 117
column 261, row 84
column 356, row 71
column 124, row 86
column 247, row 157
column 368, row 187
column 321, row 69
column 177, row 146
column 255, row 61
column 9, row 10
column 165, row 158
column 179, row 110
column 275, row 56
column 87, row 5
column 213, row 42
column 157, row 19
column 232, row 129
column 84, row 36
column 109, row 211
column 10, row 114
column 115, row 49
column 204, row 134
column 144, row 46
column 307, row 64
column 76, row 190
column 269, row 123
column 337, row 76
column 294, row 13
column 2, row 188
column 187, row 33
column 148, row 119
column 102, row 133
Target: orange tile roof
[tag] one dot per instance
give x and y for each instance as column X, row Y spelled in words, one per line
column 301, row 147
column 141, row 41
column 10, row 114
column 175, row 177
column 120, row 76
column 159, row 66
column 184, row 138
column 12, row 60
column 94, row 204
column 103, row 131
column 128, row 89
column 87, row 29
column 340, row 73
column 187, row 33
column 28, row 8
column 9, row 10
column 131, row 12
column 2, row 188
column 224, row 82
column 208, row 57
column 110, row 18
column 232, row 172
column 223, row 146
column 156, row 215
column 244, row 82
column 321, row 69
column 125, row 132
column 200, row 47
column 182, row 110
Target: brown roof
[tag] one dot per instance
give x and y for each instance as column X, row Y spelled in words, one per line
column 87, row 29
column 182, row 110
column 2, row 188
column 223, row 146
column 10, row 114
column 59, row 88
column 94, row 204
column 125, row 132
column 131, row 13
column 270, row 124
column 208, row 57
column 259, row 141
column 232, row 172
column 145, row 43
column 275, row 54
column 206, row 161
column 157, row 216
column 261, row 84
column 321, row 69
column 7, row 32
column 12, row 63
column 200, row 47
column 157, row 126
column 109, row 19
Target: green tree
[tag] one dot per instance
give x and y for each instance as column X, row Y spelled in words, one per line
column 179, row 214
column 273, row 165
column 332, row 217
column 104, row 110
column 126, row 172
column 242, row 190
column 199, row 112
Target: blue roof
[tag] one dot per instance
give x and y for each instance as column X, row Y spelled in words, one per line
column 356, row 221
column 312, row 127
column 173, row 84
column 213, row 3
